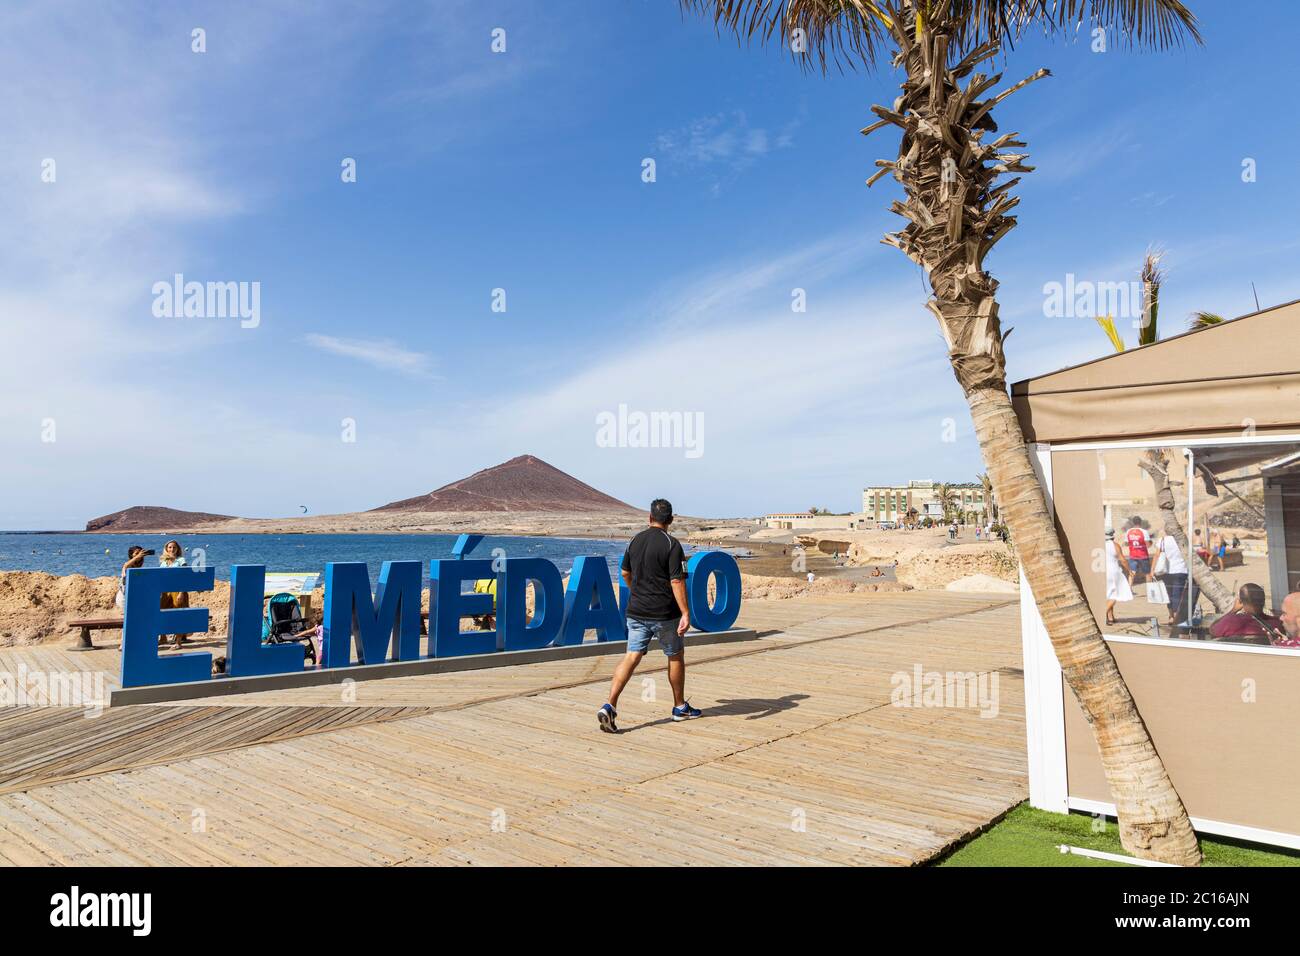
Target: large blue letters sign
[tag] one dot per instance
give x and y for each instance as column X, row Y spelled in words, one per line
column 385, row 625
column 246, row 655
column 589, row 603
column 144, row 621
column 352, row 616
column 512, row 604
column 726, row 608
column 447, row 605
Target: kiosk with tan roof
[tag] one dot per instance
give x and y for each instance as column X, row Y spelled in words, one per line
column 1192, row 444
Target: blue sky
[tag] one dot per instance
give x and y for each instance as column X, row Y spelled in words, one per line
column 521, row 171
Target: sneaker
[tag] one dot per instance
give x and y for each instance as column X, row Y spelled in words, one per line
column 605, row 717
column 685, row 712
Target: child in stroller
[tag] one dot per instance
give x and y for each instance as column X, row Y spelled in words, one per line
column 284, row 624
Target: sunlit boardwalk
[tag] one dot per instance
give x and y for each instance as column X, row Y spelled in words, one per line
column 800, row 758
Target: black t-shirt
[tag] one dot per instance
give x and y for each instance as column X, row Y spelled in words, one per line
column 654, row 557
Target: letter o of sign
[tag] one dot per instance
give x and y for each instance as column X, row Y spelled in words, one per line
column 726, row 608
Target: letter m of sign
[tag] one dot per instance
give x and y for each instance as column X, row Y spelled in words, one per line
column 389, row 619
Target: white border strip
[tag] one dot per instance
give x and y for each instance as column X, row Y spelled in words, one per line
column 1202, row 645
column 1044, row 694
column 1234, row 830
column 1167, row 441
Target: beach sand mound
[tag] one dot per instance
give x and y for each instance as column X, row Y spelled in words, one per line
column 35, row 607
column 761, row 587
column 936, row 568
column 983, row 584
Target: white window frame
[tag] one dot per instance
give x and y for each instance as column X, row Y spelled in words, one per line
column 1044, row 684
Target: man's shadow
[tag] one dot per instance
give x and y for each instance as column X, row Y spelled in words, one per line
column 751, row 708
column 754, row 708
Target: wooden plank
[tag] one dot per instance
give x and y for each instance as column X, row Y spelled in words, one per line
column 507, row 767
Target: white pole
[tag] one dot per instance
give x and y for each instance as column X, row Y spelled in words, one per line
column 1112, row 857
column 1191, row 523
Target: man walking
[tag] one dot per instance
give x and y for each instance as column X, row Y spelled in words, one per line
column 654, row 568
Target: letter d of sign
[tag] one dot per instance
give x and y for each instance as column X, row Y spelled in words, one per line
column 512, row 605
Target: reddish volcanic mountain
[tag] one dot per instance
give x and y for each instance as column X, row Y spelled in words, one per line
column 150, row 518
column 525, row 483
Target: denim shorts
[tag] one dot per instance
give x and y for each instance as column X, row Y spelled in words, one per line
column 639, row 633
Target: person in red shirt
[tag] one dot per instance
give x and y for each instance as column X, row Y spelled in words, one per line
column 1247, row 623
column 1139, row 551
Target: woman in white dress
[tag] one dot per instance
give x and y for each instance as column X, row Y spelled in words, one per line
column 1118, row 577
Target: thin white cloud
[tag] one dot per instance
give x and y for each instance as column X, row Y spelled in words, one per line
column 729, row 288
column 723, row 142
column 380, row 353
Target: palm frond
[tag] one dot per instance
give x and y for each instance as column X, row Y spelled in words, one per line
column 1152, row 278
column 853, row 33
column 1203, row 320
column 1107, row 323
column 844, row 33
column 1158, row 24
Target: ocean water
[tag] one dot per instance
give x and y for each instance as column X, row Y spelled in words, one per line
column 101, row 555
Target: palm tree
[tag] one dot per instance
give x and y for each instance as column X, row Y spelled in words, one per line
column 1152, row 278
column 946, row 496
column 956, row 212
column 1156, row 464
column 990, row 504
column 1203, row 320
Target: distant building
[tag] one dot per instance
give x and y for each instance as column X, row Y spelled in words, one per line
column 920, row 499
column 806, row 520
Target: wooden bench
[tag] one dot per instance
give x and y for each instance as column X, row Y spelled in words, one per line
column 86, row 625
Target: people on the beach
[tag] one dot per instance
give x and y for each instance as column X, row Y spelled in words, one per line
column 173, row 556
column 1290, row 618
column 654, row 568
column 135, row 556
column 1247, row 622
column 1139, row 551
column 1119, row 580
column 1220, row 552
column 1171, row 567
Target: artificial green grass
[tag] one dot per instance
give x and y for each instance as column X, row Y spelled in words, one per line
column 1029, row 837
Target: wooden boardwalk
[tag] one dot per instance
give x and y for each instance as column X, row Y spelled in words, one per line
column 800, row 759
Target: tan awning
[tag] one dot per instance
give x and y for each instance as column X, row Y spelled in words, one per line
column 1226, row 379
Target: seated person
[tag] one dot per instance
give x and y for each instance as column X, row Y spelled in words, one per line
column 487, row 622
column 1247, row 623
column 1290, row 621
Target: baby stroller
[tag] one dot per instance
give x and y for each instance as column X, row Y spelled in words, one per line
column 283, row 624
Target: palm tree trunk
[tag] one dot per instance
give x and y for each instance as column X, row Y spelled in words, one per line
column 1156, row 465
column 956, row 214
column 1153, row 821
